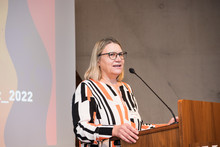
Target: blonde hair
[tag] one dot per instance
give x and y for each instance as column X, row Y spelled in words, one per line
column 94, row 72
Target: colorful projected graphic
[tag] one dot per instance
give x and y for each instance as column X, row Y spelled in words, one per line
column 28, row 73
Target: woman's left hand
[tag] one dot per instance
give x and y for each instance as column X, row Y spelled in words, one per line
column 172, row 120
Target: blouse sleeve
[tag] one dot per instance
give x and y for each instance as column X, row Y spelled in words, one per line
column 150, row 126
column 84, row 113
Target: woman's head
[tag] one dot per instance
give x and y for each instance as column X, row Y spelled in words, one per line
column 108, row 45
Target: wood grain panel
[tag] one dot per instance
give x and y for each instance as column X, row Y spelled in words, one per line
column 167, row 136
column 199, row 123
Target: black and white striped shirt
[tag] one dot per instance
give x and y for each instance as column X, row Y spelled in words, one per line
column 97, row 107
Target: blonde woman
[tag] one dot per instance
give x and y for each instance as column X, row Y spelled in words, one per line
column 103, row 106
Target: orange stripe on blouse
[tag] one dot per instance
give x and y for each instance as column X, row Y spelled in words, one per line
column 133, row 125
column 89, row 94
column 120, row 114
column 79, row 143
column 144, row 127
column 127, row 86
column 92, row 124
column 112, row 142
column 125, row 109
column 103, row 90
column 95, row 142
column 160, row 125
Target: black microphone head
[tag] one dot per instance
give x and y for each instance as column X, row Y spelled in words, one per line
column 132, row 70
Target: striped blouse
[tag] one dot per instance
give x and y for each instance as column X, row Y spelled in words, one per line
column 97, row 107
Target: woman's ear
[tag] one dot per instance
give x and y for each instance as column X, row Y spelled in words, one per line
column 98, row 62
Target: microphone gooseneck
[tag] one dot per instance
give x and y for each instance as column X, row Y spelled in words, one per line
column 131, row 70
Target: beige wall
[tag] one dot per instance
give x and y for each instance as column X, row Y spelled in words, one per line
column 173, row 45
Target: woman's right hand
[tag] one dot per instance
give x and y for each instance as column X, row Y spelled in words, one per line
column 125, row 132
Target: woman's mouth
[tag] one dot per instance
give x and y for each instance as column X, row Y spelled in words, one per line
column 116, row 65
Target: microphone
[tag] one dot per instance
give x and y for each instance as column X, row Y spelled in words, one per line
column 131, row 70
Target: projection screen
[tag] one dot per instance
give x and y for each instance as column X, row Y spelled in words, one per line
column 37, row 72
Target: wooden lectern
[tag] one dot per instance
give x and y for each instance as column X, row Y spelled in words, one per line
column 199, row 126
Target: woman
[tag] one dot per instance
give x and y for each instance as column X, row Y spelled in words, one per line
column 103, row 106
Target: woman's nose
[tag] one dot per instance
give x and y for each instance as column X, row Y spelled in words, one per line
column 118, row 58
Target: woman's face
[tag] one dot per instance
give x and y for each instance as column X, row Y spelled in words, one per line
column 111, row 68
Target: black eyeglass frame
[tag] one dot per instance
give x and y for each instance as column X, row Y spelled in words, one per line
column 122, row 55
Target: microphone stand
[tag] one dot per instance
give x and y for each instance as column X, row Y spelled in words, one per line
column 132, row 71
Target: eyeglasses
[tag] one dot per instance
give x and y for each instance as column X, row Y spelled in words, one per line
column 113, row 55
